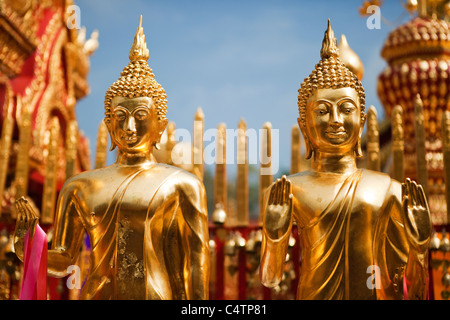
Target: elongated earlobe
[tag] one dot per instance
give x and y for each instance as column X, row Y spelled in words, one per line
column 309, row 149
column 358, row 149
column 108, row 127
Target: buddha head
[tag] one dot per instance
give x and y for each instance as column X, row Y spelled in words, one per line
column 331, row 104
column 136, row 105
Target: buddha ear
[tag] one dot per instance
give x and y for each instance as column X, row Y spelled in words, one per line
column 163, row 122
column 162, row 126
column 309, row 149
column 108, row 127
column 358, row 149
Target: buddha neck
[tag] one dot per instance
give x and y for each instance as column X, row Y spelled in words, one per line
column 324, row 162
column 133, row 159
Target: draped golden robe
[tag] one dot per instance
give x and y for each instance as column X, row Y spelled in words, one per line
column 149, row 239
column 347, row 232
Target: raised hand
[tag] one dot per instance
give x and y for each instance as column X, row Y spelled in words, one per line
column 416, row 215
column 279, row 208
column 27, row 219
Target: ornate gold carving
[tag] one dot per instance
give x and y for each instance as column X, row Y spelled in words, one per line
column 22, row 163
column 5, row 144
column 51, row 173
column 71, row 148
column 220, row 178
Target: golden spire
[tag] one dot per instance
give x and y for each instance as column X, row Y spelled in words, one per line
column 265, row 175
column 242, row 176
column 220, row 180
column 139, row 49
column 51, row 169
column 373, row 140
column 422, row 170
column 398, row 144
column 197, row 143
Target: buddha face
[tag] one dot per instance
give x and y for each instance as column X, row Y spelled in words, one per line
column 333, row 120
column 134, row 126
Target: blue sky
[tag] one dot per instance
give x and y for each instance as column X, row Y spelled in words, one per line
column 234, row 59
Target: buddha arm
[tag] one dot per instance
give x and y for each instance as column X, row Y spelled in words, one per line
column 196, row 236
column 68, row 233
column 418, row 229
column 401, row 243
column 277, row 227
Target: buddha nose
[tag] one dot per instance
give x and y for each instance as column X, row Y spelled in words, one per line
column 336, row 118
column 130, row 125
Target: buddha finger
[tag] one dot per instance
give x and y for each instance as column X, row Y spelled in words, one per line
column 415, row 197
column 279, row 191
column 288, row 189
column 404, row 190
column 423, row 199
column 409, row 189
column 272, row 194
column 291, row 201
column 22, row 216
column 283, row 190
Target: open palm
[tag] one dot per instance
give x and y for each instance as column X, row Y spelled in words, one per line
column 416, row 215
column 279, row 208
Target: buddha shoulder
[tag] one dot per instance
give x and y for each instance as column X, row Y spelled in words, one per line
column 113, row 175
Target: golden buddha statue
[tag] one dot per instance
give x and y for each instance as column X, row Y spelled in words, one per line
column 146, row 221
column 362, row 234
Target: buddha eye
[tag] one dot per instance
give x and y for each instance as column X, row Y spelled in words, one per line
column 141, row 114
column 347, row 107
column 119, row 115
column 321, row 110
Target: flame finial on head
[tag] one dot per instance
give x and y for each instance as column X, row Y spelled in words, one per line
column 329, row 44
column 139, row 50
